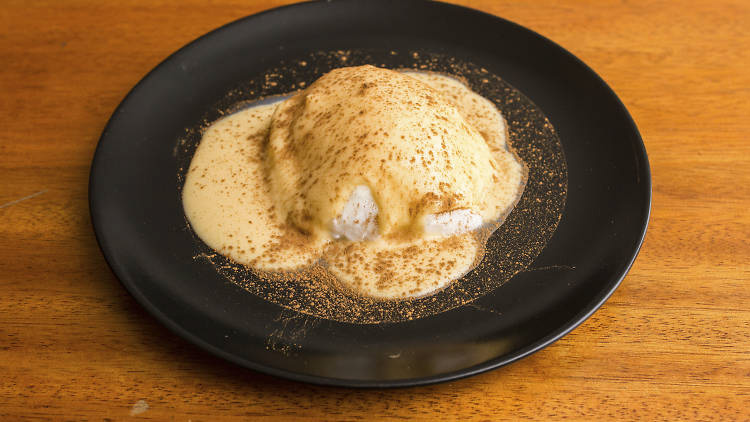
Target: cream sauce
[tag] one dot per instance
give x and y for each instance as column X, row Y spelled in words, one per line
column 233, row 201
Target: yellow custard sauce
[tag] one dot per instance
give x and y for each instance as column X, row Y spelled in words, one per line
column 390, row 180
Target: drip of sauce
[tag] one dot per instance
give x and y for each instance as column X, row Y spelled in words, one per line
column 266, row 183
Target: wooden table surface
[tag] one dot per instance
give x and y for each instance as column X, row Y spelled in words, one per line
column 672, row 343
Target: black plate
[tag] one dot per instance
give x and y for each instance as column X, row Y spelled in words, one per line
column 140, row 226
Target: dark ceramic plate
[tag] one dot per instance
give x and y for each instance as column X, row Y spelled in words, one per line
column 140, row 225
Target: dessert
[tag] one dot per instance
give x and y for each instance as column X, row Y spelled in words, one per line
column 391, row 181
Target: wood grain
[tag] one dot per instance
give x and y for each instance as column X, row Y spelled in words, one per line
column 672, row 343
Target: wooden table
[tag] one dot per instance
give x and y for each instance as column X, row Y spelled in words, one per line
column 672, row 343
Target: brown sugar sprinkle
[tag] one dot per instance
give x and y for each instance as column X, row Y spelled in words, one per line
column 512, row 246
